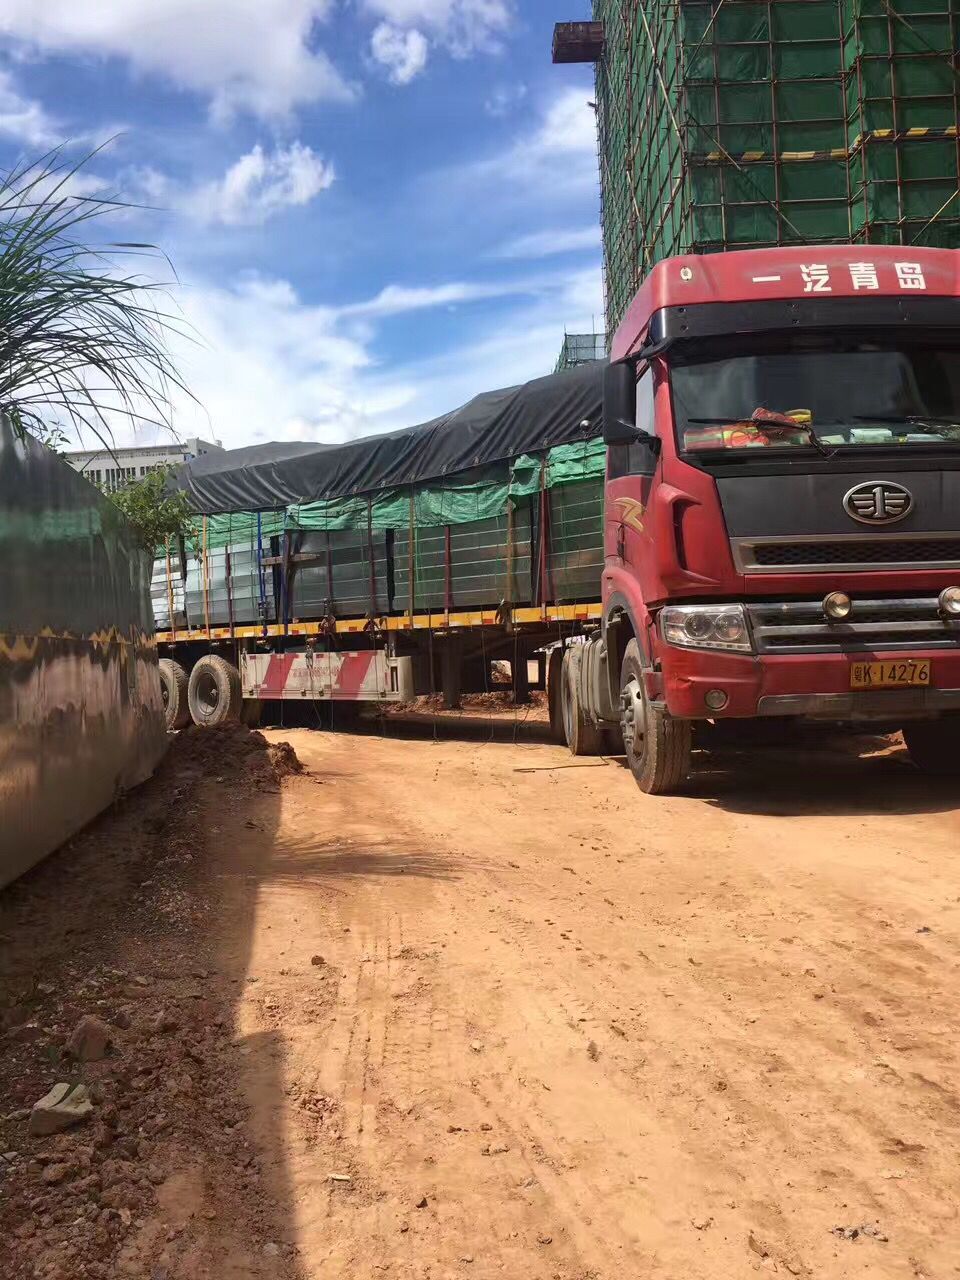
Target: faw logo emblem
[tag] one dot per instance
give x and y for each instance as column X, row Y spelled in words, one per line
column 631, row 513
column 878, row 502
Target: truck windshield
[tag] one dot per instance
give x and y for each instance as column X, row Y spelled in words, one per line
column 816, row 393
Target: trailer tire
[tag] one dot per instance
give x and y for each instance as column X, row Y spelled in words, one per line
column 582, row 735
column 214, row 693
column 174, row 682
column 934, row 746
column 658, row 748
column 555, row 694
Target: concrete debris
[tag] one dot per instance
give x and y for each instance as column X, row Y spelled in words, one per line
column 63, row 1107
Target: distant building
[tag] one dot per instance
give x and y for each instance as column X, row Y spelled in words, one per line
column 581, row 348
column 112, row 469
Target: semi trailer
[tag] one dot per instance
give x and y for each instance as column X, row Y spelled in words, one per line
column 762, row 523
column 389, row 566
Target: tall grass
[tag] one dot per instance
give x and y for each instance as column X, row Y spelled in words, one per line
column 82, row 340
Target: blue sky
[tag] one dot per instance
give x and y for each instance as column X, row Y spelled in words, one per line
column 376, row 208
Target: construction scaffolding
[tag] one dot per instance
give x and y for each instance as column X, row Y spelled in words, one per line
column 581, row 348
column 746, row 123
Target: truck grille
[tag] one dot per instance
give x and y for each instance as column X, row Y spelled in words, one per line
column 799, row 626
column 847, row 553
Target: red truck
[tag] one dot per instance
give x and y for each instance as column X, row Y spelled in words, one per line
column 782, row 505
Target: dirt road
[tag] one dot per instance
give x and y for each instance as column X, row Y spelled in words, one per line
column 496, row 1013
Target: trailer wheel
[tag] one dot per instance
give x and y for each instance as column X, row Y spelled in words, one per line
column 658, row 748
column 934, row 746
column 555, row 694
column 214, row 693
column 173, row 686
column 582, row 735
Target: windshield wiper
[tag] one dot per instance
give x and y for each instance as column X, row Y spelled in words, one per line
column 766, row 425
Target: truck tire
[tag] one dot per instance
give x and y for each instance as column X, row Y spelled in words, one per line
column 214, row 693
column 658, row 748
column 582, row 735
column 934, row 746
column 555, row 694
column 173, row 685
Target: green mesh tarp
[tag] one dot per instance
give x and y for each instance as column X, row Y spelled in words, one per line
column 482, row 494
column 239, row 528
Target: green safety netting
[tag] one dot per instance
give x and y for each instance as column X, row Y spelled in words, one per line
column 239, row 528
column 708, row 111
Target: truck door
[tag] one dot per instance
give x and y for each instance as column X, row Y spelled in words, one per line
column 630, row 472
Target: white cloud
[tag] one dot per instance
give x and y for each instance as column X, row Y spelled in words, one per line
column 268, row 366
column 504, row 99
column 254, row 55
column 546, row 166
column 261, row 184
column 568, row 127
column 544, row 244
column 396, row 299
column 461, row 26
column 256, row 187
column 24, row 119
column 403, row 53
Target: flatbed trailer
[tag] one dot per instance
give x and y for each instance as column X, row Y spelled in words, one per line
column 393, row 566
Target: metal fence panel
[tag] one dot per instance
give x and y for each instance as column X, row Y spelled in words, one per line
column 81, row 714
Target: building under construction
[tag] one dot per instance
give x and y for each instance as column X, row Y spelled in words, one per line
column 581, row 348
column 744, row 123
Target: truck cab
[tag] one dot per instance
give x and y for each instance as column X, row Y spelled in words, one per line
column 782, row 502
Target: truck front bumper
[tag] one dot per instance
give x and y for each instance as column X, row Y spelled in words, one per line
column 815, row 685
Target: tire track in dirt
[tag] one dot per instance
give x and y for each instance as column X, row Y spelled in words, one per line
column 703, row 1037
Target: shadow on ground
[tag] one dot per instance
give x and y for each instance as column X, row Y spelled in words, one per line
column 142, row 921
column 836, row 777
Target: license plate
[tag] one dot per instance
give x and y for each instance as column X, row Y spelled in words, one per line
column 889, row 675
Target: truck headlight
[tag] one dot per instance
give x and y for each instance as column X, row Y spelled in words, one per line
column 710, row 626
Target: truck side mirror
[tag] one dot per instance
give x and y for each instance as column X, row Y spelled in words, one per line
column 620, row 403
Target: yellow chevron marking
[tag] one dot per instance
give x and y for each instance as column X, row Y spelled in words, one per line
column 631, row 513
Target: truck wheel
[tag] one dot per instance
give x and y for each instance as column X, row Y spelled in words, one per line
column 934, row 746
column 214, row 693
column 173, row 686
column 582, row 735
column 658, row 748
column 555, row 694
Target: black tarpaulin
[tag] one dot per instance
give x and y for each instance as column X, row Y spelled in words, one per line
column 492, row 427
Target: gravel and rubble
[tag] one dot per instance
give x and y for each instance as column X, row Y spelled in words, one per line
column 117, row 1044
